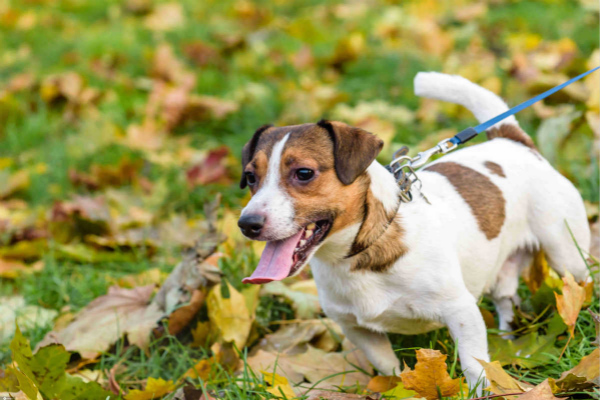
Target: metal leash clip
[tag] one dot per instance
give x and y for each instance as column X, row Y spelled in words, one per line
column 403, row 167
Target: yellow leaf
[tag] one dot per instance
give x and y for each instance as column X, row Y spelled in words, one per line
column 399, row 392
column 382, row 384
column 229, row 316
column 569, row 303
column 201, row 370
column 279, row 386
column 154, row 388
column 201, row 334
column 430, row 377
column 500, row 381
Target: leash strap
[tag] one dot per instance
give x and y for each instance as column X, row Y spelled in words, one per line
column 403, row 167
column 470, row 133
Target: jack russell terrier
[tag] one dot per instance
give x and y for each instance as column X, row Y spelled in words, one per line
column 319, row 195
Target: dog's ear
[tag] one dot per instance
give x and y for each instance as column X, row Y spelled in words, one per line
column 248, row 151
column 354, row 149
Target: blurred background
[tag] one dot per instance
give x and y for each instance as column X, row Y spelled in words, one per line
column 120, row 119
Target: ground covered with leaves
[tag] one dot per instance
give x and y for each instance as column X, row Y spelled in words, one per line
column 121, row 123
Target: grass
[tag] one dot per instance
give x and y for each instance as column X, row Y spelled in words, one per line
column 109, row 45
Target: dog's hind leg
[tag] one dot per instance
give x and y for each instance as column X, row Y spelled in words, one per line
column 504, row 293
column 376, row 346
column 559, row 222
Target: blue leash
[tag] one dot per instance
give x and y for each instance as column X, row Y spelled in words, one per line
column 470, row 133
column 403, row 167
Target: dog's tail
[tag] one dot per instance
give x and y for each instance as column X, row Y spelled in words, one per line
column 481, row 102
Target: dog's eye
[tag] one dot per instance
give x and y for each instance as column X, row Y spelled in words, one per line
column 304, row 174
column 250, row 178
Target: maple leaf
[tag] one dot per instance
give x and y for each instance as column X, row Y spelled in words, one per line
column 430, row 377
column 44, row 372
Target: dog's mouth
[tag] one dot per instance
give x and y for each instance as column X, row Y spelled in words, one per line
column 283, row 258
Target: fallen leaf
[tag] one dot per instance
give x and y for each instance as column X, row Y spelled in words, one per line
column 430, row 377
column 278, row 385
column 165, row 17
column 102, row 322
column 314, row 365
column 181, row 317
column 11, row 269
column 229, row 314
column 543, row 391
column 45, row 370
column 382, row 384
column 306, row 305
column 500, row 381
column 154, row 388
column 583, row 375
column 292, row 338
column 210, row 170
column 28, row 317
column 570, row 302
column 400, row 392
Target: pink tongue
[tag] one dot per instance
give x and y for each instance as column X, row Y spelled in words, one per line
column 276, row 261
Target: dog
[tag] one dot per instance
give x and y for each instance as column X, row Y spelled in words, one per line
column 380, row 265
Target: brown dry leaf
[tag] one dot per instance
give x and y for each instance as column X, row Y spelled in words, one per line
column 106, row 319
column 382, row 384
column 292, row 338
column 334, row 395
column 316, row 366
column 500, row 381
column 155, row 388
column 229, row 316
column 212, row 169
column 181, row 317
column 430, row 376
column 543, row 391
column 583, row 375
column 570, row 302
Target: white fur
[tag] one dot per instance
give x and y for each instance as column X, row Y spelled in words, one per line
column 383, row 186
column 450, row 263
column 273, row 202
column 456, row 89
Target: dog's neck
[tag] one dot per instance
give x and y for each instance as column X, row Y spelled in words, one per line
column 374, row 242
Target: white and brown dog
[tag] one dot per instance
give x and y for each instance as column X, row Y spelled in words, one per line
column 381, row 266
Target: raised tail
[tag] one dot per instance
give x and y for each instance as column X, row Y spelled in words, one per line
column 480, row 101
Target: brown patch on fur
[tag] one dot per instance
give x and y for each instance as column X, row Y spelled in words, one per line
column 512, row 132
column 484, row 198
column 494, row 168
column 378, row 244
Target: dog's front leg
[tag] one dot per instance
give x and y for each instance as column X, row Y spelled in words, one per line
column 466, row 325
column 376, row 346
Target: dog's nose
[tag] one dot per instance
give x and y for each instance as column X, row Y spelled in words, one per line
column 251, row 225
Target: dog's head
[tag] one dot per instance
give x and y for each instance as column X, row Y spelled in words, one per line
column 306, row 183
